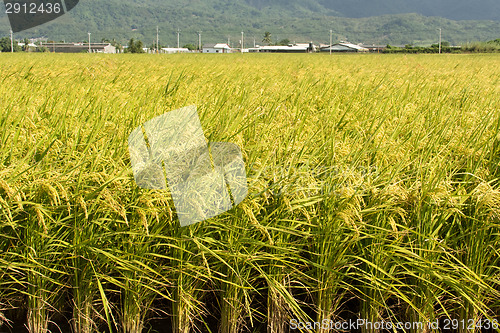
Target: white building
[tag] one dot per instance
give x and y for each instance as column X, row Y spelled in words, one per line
column 80, row 47
column 292, row 48
column 170, row 50
column 31, row 46
column 217, row 48
column 344, row 47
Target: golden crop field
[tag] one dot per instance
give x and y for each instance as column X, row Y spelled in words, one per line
column 373, row 194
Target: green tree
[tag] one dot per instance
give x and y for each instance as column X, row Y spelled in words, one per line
column 139, row 47
column 190, row 47
column 130, row 46
column 284, row 42
column 5, row 45
column 134, row 46
column 267, row 38
column 26, row 47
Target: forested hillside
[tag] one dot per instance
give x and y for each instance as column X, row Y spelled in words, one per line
column 374, row 22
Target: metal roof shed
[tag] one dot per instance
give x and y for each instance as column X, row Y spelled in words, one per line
column 344, row 47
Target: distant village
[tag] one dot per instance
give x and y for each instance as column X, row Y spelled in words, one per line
column 293, row 48
column 37, row 45
column 217, row 48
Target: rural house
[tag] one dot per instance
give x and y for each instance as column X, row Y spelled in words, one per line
column 216, row 48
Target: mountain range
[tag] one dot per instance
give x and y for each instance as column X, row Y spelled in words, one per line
column 368, row 21
column 450, row 9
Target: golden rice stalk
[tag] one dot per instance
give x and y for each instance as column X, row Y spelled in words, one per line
column 144, row 220
column 41, row 219
column 488, row 198
column 52, row 192
column 64, row 195
column 82, row 204
column 7, row 189
column 6, row 208
column 151, row 206
column 44, row 189
column 111, row 203
column 11, row 194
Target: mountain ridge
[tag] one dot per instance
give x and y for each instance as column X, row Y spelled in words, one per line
column 450, row 9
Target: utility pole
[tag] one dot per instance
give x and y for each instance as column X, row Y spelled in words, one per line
column 331, row 32
column 199, row 40
column 90, row 51
column 178, row 39
column 253, row 41
column 11, row 41
column 229, row 41
column 439, row 40
column 242, row 42
column 157, row 40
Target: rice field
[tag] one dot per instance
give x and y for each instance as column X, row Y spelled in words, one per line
column 373, row 194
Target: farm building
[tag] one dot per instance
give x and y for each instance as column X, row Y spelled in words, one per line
column 344, row 47
column 171, row 50
column 292, row 48
column 217, row 48
column 30, row 46
column 80, row 47
column 375, row 48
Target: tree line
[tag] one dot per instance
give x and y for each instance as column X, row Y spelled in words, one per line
column 137, row 46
